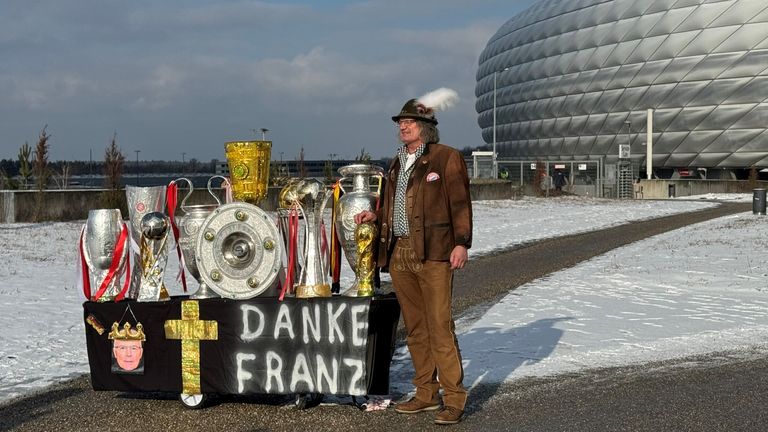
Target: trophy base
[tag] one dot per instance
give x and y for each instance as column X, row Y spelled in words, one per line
column 149, row 293
column 358, row 290
column 204, row 293
column 309, row 291
column 365, row 292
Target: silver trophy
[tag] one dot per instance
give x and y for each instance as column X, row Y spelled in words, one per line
column 310, row 197
column 288, row 195
column 238, row 251
column 189, row 227
column 360, row 198
column 141, row 200
column 154, row 257
column 100, row 243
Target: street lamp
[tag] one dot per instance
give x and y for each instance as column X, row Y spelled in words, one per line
column 629, row 141
column 264, row 133
column 137, row 166
column 182, row 161
column 495, row 167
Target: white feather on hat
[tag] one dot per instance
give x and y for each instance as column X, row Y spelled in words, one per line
column 439, row 99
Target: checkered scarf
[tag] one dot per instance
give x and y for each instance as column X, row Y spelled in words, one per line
column 400, row 219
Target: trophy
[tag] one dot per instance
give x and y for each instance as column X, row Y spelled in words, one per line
column 360, row 198
column 189, row 226
column 104, row 246
column 238, row 251
column 310, row 197
column 287, row 222
column 154, row 257
column 249, row 169
column 141, row 200
column 365, row 237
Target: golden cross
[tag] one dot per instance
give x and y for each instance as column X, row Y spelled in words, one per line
column 191, row 330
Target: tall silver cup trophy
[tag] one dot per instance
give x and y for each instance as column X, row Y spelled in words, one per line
column 366, row 187
column 154, row 257
column 101, row 246
column 310, row 197
column 141, row 200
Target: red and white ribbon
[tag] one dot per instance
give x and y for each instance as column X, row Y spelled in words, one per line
column 172, row 197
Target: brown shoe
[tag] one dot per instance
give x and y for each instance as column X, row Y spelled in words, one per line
column 413, row 406
column 448, row 416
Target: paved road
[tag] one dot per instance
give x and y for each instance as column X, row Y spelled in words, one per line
column 717, row 392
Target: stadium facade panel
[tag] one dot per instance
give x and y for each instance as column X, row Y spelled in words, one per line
column 574, row 80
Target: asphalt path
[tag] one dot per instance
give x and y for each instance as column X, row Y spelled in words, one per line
column 718, row 392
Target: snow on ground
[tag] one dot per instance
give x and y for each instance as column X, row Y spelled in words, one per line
column 696, row 290
column 548, row 326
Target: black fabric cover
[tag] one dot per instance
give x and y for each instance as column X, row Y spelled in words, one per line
column 361, row 368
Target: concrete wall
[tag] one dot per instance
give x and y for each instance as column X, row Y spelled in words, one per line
column 660, row 189
column 74, row 204
column 493, row 190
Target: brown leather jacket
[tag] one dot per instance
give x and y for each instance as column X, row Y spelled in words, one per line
column 438, row 203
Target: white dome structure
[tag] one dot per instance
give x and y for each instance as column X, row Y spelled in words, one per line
column 575, row 78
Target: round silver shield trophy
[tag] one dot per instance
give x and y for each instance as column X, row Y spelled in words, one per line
column 154, row 257
column 141, row 200
column 103, row 252
column 238, row 251
column 189, row 227
column 362, row 196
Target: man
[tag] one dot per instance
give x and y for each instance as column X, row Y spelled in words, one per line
column 425, row 231
column 128, row 354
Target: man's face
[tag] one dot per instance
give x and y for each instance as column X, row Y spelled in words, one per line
column 127, row 353
column 410, row 132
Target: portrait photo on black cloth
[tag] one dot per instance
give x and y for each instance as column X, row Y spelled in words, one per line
column 127, row 348
column 127, row 356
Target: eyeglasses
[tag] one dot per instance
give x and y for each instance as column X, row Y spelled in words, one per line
column 132, row 349
column 405, row 122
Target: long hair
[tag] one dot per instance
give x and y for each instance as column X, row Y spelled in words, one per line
column 429, row 133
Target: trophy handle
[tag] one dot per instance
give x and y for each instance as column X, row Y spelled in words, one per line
column 380, row 179
column 191, row 188
column 224, row 183
column 341, row 186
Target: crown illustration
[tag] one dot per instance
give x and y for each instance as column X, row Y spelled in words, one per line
column 127, row 333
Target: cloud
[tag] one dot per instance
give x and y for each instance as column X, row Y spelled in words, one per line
column 159, row 90
column 217, row 67
column 44, row 92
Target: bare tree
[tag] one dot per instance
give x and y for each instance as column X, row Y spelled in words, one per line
column 62, row 179
column 300, row 165
column 41, row 172
column 328, row 172
column 114, row 163
column 363, row 156
column 25, row 169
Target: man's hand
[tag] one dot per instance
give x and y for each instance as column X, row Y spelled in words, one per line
column 365, row 216
column 458, row 257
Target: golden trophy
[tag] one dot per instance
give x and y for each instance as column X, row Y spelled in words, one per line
column 249, row 169
column 365, row 236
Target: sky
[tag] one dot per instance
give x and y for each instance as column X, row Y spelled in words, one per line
column 695, row 290
column 179, row 77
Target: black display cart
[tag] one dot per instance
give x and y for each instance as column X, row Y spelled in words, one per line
column 336, row 345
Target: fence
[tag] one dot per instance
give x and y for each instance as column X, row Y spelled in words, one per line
column 74, row 204
column 576, row 177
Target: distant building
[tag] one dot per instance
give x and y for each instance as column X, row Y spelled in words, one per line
column 574, row 80
column 314, row 168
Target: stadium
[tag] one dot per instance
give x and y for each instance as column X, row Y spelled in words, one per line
column 680, row 83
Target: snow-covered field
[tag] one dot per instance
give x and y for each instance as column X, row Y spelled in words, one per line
column 672, row 295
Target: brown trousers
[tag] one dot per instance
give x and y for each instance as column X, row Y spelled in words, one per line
column 424, row 290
